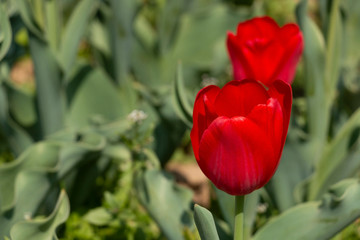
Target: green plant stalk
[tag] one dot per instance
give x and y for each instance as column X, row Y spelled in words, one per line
column 53, row 31
column 239, row 218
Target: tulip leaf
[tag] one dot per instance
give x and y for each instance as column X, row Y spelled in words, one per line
column 168, row 23
column 208, row 24
column 5, row 32
column 227, row 207
column 43, row 229
column 120, row 20
column 205, row 223
column 120, row 25
column 87, row 102
column 334, row 155
column 292, row 170
column 75, row 152
column 41, row 155
column 169, row 131
column 180, row 101
column 318, row 108
column 27, row 16
column 165, row 200
column 98, row 216
column 317, row 219
column 21, row 105
column 333, row 51
column 157, row 72
column 351, row 36
column 32, row 174
column 16, row 137
column 50, row 95
column 74, row 31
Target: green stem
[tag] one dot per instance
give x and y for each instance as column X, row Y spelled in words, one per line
column 239, row 218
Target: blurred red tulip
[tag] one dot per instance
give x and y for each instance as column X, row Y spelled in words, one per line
column 263, row 51
column 239, row 132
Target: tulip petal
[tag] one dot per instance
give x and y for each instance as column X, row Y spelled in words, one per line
column 257, row 28
column 238, row 98
column 269, row 117
column 241, row 67
column 236, row 155
column 292, row 39
column 282, row 91
column 287, row 32
column 263, row 51
column 203, row 114
column 269, row 60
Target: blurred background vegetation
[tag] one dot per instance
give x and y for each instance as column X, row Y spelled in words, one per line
column 95, row 99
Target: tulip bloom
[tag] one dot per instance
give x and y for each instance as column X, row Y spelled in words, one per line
column 263, row 51
column 239, row 132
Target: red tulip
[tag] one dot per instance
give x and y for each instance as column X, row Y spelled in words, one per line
column 239, row 132
column 263, row 51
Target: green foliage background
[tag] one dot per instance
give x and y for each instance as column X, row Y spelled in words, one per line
column 84, row 139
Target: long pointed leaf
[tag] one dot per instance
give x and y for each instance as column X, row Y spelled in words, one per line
column 28, row 18
column 318, row 109
column 317, row 220
column 333, row 157
column 74, row 31
column 180, row 101
column 5, row 32
column 50, row 95
column 43, row 229
column 205, row 223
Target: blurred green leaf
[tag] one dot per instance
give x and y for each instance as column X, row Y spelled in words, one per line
column 5, row 32
column 169, row 131
column 25, row 183
column 99, row 37
column 333, row 157
column 120, row 21
column 121, row 17
column 75, row 152
column 52, row 23
column 205, row 223
column 333, row 51
column 201, row 29
column 16, row 137
column 318, row 108
column 43, row 229
column 180, row 101
column 317, row 220
column 21, row 105
column 292, row 170
column 351, row 10
column 40, row 156
column 27, row 15
column 168, row 22
column 74, row 31
column 88, row 102
column 49, row 90
column 158, row 70
column 227, row 207
column 164, row 200
column 98, row 216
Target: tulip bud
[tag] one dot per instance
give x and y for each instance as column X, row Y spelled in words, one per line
column 263, row 51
